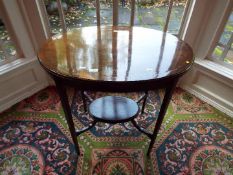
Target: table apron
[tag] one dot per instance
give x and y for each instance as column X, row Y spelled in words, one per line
column 107, row 86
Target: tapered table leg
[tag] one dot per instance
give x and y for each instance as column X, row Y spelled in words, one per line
column 84, row 101
column 66, row 107
column 167, row 97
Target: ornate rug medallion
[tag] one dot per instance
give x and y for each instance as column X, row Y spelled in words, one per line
column 44, row 101
column 34, row 139
column 189, row 142
column 21, row 159
column 211, row 159
column 124, row 162
column 36, row 144
column 185, row 103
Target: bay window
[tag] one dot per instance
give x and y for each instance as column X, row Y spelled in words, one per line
column 20, row 73
column 223, row 52
column 147, row 14
column 7, row 47
column 205, row 25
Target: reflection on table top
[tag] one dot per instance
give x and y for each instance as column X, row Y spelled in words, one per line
column 116, row 54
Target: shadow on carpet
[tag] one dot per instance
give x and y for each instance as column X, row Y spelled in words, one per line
column 195, row 138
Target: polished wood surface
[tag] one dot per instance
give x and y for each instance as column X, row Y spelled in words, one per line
column 113, row 109
column 115, row 59
column 115, row 54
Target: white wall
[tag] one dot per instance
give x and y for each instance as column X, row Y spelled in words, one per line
column 209, row 80
column 23, row 77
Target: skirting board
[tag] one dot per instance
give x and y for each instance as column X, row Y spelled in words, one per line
column 25, row 94
column 20, row 80
column 208, row 100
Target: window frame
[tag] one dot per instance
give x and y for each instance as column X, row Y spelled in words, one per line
column 8, row 25
column 220, row 29
column 24, row 25
column 24, row 76
column 29, row 16
column 14, row 23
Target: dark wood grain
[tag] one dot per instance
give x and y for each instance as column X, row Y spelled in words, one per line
column 113, row 109
column 115, row 59
column 116, row 54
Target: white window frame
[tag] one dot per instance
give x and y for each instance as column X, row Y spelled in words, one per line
column 209, row 80
column 218, row 35
column 200, row 30
column 203, row 38
column 22, row 77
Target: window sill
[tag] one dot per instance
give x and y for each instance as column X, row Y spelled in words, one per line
column 18, row 63
column 215, row 68
column 211, row 82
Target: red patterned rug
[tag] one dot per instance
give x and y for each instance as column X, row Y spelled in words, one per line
column 195, row 138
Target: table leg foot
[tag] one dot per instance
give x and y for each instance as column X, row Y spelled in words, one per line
column 84, row 101
column 66, row 107
column 144, row 102
column 150, row 147
column 166, row 100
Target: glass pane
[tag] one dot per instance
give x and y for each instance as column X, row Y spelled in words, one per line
column 229, row 57
column 223, row 50
column 53, row 16
column 151, row 14
column 76, row 14
column 7, row 47
column 218, row 52
column 105, row 12
column 124, row 12
column 227, row 31
column 176, row 17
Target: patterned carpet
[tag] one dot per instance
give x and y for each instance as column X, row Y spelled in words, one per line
column 195, row 138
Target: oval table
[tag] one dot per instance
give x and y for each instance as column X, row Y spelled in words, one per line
column 115, row 59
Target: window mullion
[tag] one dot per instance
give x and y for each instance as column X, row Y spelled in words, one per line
column 227, row 11
column 227, row 47
column 6, row 19
column 62, row 16
column 115, row 13
column 44, row 17
column 186, row 10
column 168, row 15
